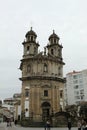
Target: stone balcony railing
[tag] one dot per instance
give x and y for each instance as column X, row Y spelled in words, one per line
column 52, row 76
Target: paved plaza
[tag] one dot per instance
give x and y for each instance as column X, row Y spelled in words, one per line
column 3, row 126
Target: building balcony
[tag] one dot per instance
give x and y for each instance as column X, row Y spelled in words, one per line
column 51, row 76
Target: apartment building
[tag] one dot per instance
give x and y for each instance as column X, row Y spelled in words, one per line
column 75, row 90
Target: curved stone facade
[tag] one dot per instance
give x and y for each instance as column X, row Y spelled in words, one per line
column 42, row 78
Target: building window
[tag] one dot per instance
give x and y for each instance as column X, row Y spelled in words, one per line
column 45, row 67
column 54, row 40
column 26, row 93
column 75, row 76
column 76, row 93
column 46, row 93
column 59, row 71
column 81, row 81
column 52, row 51
column 31, row 38
column 51, row 41
column 28, row 68
column 28, row 38
column 75, row 81
column 35, row 50
column 27, row 49
column 77, row 97
column 61, row 93
column 82, row 97
column 59, row 52
column 76, row 87
column 82, row 91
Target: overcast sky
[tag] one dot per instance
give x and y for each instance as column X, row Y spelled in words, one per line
column 67, row 17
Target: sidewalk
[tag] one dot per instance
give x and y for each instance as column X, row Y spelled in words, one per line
column 3, row 126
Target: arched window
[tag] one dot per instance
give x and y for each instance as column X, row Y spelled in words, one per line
column 35, row 50
column 61, row 93
column 27, row 49
column 28, row 38
column 28, row 68
column 52, row 51
column 51, row 41
column 54, row 40
column 31, row 38
column 45, row 68
column 59, row 71
column 26, row 93
column 59, row 52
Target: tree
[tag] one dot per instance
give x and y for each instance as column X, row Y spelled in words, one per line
column 83, row 109
column 72, row 110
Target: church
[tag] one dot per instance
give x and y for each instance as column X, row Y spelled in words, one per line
column 42, row 77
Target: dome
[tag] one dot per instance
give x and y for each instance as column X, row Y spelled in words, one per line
column 31, row 32
column 54, row 35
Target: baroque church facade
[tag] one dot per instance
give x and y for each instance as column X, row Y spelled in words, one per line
column 42, row 77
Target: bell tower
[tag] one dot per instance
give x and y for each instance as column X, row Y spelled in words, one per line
column 30, row 44
column 55, row 51
column 54, row 48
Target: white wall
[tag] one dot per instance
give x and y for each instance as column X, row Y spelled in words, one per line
column 27, row 107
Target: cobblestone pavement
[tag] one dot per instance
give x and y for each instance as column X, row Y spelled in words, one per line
column 3, row 126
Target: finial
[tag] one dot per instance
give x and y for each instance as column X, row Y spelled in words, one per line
column 53, row 31
column 44, row 50
column 31, row 28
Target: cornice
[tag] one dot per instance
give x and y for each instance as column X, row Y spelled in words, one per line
column 43, row 78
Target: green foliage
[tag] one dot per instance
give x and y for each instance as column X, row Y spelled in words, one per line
column 72, row 110
column 83, row 109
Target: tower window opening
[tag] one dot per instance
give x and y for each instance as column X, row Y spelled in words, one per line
column 59, row 51
column 28, row 38
column 45, row 67
column 28, row 68
column 59, row 71
column 31, row 38
column 52, row 51
column 35, row 50
column 27, row 49
column 46, row 93
column 54, row 40
column 61, row 93
column 51, row 40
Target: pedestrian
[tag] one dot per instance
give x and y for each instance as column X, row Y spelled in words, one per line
column 79, row 124
column 7, row 122
column 83, row 123
column 69, row 124
column 48, row 125
column 45, row 126
column 15, row 122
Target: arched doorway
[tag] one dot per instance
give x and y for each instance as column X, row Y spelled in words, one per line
column 45, row 110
